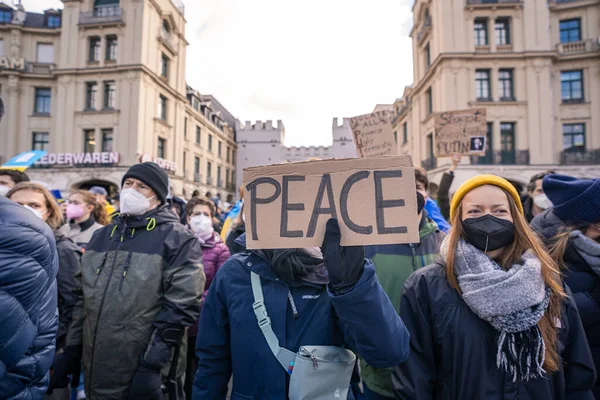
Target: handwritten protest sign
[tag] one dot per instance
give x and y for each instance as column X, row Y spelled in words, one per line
column 373, row 134
column 373, row 199
column 460, row 132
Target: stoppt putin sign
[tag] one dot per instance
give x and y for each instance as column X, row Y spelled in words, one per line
column 373, row 199
column 460, row 132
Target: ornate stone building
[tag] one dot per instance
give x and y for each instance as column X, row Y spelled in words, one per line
column 535, row 66
column 101, row 85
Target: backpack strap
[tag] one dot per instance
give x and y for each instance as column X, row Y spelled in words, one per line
column 285, row 357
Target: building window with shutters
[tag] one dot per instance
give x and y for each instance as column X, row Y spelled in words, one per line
column 482, row 85
column 89, row 140
column 109, row 95
column 502, row 29
column 506, row 85
column 111, row 48
column 42, row 101
column 40, row 141
column 90, row 95
column 571, row 86
column 94, row 49
column 481, row 32
column 107, row 140
column 162, row 148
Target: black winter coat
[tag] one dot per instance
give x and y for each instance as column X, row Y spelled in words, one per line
column 69, row 258
column 583, row 280
column 453, row 351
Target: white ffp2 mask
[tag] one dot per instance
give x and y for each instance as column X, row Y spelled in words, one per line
column 542, row 201
column 133, row 202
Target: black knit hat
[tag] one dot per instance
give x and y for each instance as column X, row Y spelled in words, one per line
column 152, row 175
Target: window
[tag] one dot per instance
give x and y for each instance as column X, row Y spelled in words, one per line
column 165, row 30
column 90, row 95
column 219, row 182
column 488, row 159
column 109, row 95
column 574, row 137
column 570, row 30
column 405, row 133
column 505, row 84
column 427, row 56
column 162, row 148
column 507, row 142
column 502, row 28
column 208, row 173
column 482, row 85
column 1, row 47
column 40, row 141
column 209, row 142
column 185, row 128
column 219, row 149
column 198, row 134
column 89, row 140
column 42, row 101
column 429, row 99
column 5, row 16
column 162, row 107
column 94, row 54
column 53, row 21
column 228, row 154
column 481, row 32
column 107, row 140
column 571, row 86
column 164, row 65
column 227, row 178
column 232, row 158
column 45, row 53
column 111, row 48
column 196, row 169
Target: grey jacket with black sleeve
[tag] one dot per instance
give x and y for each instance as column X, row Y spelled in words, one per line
column 141, row 278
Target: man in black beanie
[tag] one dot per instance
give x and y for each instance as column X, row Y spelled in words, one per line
column 141, row 283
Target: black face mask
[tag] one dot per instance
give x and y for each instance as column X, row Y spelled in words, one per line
column 488, row 233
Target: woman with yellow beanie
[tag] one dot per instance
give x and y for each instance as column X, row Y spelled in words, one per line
column 492, row 319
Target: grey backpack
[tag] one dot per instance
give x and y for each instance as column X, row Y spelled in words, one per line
column 317, row 372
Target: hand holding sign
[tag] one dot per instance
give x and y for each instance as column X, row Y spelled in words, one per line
column 374, row 200
column 345, row 265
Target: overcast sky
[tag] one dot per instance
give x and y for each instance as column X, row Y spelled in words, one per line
column 302, row 62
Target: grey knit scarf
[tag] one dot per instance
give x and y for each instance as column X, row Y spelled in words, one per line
column 513, row 301
column 588, row 249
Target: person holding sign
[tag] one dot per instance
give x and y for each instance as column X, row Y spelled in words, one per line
column 492, row 320
column 314, row 297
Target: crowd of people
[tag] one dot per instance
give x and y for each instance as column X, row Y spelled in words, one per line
column 150, row 296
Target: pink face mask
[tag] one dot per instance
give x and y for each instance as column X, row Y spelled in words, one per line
column 75, row 211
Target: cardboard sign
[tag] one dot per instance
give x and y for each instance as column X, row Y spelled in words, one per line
column 373, row 134
column 460, row 132
column 373, row 199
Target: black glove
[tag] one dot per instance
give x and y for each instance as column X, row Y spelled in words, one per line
column 146, row 383
column 345, row 265
column 65, row 363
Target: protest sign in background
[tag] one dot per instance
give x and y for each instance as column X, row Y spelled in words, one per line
column 460, row 132
column 374, row 200
column 373, row 134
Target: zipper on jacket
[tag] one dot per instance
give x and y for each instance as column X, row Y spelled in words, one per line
column 112, row 269
column 293, row 304
column 414, row 257
column 125, row 268
column 100, row 268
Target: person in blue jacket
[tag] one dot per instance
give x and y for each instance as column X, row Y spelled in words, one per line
column 313, row 297
column 28, row 302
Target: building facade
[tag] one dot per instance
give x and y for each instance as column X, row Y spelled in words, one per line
column 101, row 85
column 262, row 143
column 533, row 64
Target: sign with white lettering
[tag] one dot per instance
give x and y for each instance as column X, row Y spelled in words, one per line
column 104, row 158
column 373, row 199
column 167, row 165
column 12, row 63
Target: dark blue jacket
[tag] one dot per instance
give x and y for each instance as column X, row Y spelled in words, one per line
column 583, row 280
column 230, row 341
column 28, row 313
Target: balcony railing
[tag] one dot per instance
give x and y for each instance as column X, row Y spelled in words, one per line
column 426, row 27
column 209, row 180
column 582, row 46
column 39, row 68
column 197, row 177
column 591, row 157
column 101, row 15
column 502, row 157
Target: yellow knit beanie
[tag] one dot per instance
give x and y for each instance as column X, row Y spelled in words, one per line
column 481, row 180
